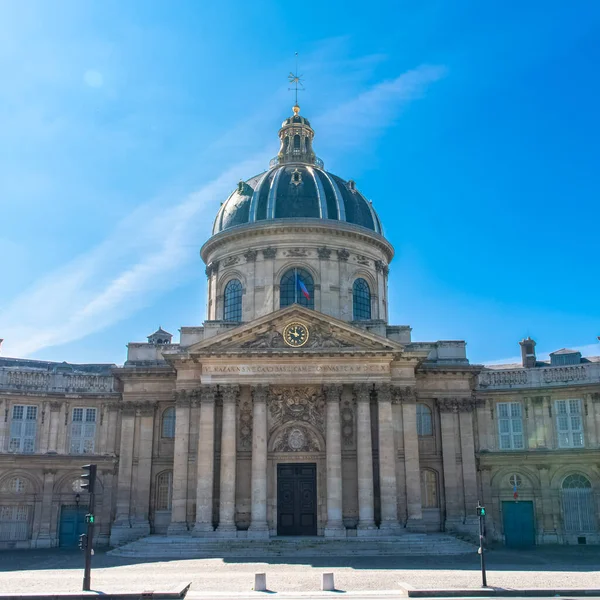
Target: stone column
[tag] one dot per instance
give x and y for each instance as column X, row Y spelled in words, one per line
column 206, row 462
column 45, row 429
column 227, row 526
column 3, row 425
column 548, row 530
column 469, row 469
column 55, row 417
column 335, row 525
column 450, row 434
column 43, row 539
column 411, row 462
column 364, row 460
column 178, row 523
column 589, row 437
column 258, row 524
column 145, row 415
column 388, row 489
column 121, row 529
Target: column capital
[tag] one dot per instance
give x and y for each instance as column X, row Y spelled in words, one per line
column 229, row 393
column 403, row 393
column 144, row 409
column 182, row 398
column 384, row 392
column 456, row 404
column 55, row 406
column 362, row 392
column 260, row 393
column 333, row 392
column 208, row 393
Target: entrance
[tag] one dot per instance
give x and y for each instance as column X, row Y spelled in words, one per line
column 519, row 531
column 72, row 525
column 297, row 499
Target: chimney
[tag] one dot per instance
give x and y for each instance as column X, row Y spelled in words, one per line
column 528, row 353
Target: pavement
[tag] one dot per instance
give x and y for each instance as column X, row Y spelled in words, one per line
column 39, row 571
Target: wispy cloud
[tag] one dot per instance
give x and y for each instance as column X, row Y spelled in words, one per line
column 148, row 253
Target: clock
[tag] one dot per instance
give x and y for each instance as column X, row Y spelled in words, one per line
column 295, row 334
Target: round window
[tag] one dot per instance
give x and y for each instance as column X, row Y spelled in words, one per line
column 76, row 485
column 515, row 480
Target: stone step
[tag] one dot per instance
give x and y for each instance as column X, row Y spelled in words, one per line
column 155, row 546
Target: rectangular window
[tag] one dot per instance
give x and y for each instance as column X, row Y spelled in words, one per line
column 569, row 424
column 510, row 426
column 83, row 431
column 23, row 429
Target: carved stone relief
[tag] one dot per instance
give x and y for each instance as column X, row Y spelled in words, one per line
column 297, row 252
column 362, row 260
column 324, row 253
column 269, row 253
column 291, row 404
column 232, row 260
column 250, row 255
column 347, row 415
column 296, row 438
column 321, row 336
column 245, row 426
column 269, row 339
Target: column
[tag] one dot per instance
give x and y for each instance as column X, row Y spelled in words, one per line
column 43, row 538
column 205, row 462
column 102, row 532
column 145, row 415
column 55, row 417
column 258, row 524
column 120, row 531
column 449, row 435
column 548, row 531
column 388, row 490
column 45, row 429
column 412, row 465
column 364, row 460
column 335, row 526
column 589, row 438
column 227, row 526
column 3, row 425
column 180, row 463
column 469, row 469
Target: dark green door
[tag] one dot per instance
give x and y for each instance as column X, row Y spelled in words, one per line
column 72, row 525
column 519, row 529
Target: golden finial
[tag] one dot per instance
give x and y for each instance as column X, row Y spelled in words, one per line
column 296, row 109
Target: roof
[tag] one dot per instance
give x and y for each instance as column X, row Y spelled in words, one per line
column 564, row 351
column 42, row 365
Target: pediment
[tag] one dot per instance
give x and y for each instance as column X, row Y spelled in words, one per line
column 265, row 335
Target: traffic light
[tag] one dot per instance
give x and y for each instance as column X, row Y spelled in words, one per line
column 89, row 518
column 480, row 511
column 89, row 478
column 83, row 541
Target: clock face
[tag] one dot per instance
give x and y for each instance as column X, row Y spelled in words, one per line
column 295, row 334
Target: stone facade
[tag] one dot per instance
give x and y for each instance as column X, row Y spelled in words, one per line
column 199, row 437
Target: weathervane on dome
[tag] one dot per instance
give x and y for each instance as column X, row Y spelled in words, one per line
column 296, row 81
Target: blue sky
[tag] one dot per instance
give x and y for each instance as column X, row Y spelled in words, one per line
column 472, row 126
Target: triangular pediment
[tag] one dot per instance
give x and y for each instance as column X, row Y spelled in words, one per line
column 266, row 335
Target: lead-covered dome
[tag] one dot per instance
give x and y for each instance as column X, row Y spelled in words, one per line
column 296, row 186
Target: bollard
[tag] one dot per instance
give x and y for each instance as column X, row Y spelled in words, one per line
column 260, row 582
column 328, row 584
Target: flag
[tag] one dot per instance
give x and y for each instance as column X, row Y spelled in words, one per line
column 302, row 288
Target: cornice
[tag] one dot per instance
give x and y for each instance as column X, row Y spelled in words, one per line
column 304, row 226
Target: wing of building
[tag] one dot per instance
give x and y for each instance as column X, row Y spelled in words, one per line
column 296, row 408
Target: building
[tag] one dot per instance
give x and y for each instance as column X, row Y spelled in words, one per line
column 296, row 408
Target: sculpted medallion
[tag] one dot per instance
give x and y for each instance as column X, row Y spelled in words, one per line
column 302, row 404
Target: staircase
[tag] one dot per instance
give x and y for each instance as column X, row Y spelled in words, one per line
column 159, row 546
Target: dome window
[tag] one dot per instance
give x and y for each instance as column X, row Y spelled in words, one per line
column 232, row 306
column 296, row 177
column 352, row 185
column 361, row 300
column 240, row 187
column 297, row 287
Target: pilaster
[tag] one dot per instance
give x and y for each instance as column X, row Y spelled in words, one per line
column 258, row 526
column 335, row 526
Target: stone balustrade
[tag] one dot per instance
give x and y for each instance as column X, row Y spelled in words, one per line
column 38, row 381
column 495, row 379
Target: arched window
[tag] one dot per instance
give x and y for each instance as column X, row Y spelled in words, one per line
column 297, row 286
column 168, row 423
column 361, row 300
column 296, row 142
column 164, row 490
column 577, row 504
column 232, row 307
column 424, row 424
column 429, row 491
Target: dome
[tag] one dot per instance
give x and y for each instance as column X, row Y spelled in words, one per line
column 296, row 187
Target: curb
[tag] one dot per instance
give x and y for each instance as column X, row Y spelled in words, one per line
column 486, row 592
column 176, row 593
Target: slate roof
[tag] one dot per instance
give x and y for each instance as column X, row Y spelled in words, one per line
column 42, row 365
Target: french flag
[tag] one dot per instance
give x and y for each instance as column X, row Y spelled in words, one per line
column 302, row 288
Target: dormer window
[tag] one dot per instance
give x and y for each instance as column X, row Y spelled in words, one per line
column 240, row 187
column 296, row 177
column 351, row 185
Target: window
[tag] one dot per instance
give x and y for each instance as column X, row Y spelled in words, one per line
column 297, row 286
column 424, row 425
column 17, row 485
column 168, row 423
column 429, row 493
column 515, row 481
column 569, row 424
column 577, row 504
column 361, row 300
column 232, row 306
column 77, row 485
column 83, row 431
column 164, row 489
column 23, row 429
column 14, row 523
column 510, row 425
